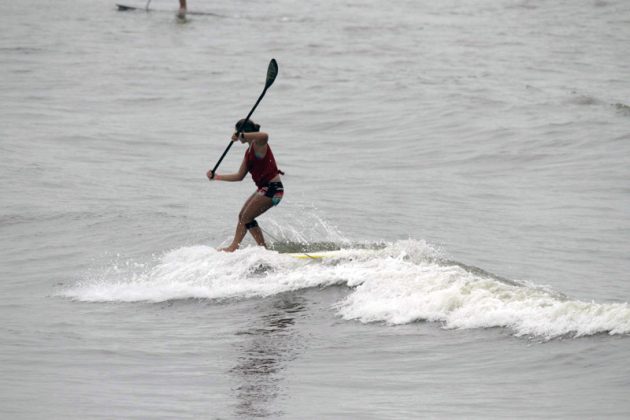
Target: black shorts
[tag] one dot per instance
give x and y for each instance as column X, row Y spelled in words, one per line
column 273, row 190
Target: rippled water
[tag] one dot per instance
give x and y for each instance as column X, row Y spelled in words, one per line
column 471, row 159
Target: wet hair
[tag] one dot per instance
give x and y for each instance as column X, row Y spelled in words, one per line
column 248, row 126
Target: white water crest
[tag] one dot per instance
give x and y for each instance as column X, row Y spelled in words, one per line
column 404, row 282
column 462, row 299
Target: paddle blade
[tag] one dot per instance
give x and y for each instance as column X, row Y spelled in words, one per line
column 272, row 72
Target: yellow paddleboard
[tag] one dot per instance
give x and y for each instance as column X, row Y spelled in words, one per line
column 314, row 255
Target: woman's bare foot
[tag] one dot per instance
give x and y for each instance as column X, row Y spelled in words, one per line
column 227, row 249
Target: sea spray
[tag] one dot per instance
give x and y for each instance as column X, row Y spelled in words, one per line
column 406, row 292
column 399, row 283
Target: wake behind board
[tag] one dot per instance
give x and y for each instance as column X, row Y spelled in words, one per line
column 125, row 8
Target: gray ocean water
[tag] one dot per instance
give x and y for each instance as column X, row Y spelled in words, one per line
column 471, row 158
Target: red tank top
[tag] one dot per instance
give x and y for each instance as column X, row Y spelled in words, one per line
column 262, row 169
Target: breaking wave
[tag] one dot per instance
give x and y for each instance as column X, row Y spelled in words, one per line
column 395, row 283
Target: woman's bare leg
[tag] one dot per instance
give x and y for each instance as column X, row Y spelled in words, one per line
column 181, row 13
column 254, row 206
column 241, row 231
column 257, row 206
column 258, row 236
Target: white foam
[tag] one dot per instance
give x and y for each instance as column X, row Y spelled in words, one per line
column 202, row 272
column 401, row 283
column 406, row 292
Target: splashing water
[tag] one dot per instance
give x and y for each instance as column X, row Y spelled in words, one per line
column 396, row 283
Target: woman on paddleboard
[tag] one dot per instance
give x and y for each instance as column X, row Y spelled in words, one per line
column 260, row 162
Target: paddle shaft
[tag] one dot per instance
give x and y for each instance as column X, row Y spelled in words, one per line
column 240, row 130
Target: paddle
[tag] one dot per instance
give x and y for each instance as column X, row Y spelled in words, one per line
column 272, row 72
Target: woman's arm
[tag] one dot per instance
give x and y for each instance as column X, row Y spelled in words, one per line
column 242, row 171
column 258, row 139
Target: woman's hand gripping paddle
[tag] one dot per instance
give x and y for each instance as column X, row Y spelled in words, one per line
column 272, row 72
